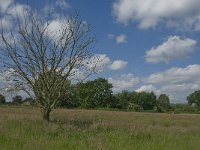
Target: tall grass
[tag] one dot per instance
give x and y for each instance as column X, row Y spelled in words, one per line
column 21, row 128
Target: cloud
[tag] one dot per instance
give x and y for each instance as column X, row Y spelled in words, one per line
column 55, row 29
column 189, row 74
column 178, row 83
column 10, row 85
column 9, row 12
column 54, row 25
column 18, row 10
column 77, row 75
column 117, row 65
column 5, row 4
column 179, row 92
column 98, row 62
column 174, row 48
column 121, row 38
column 150, row 13
column 6, row 22
column 124, row 82
column 147, row 88
column 62, row 4
column 101, row 62
column 111, row 36
column 55, row 7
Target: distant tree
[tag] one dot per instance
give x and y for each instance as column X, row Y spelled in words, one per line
column 126, row 99
column 68, row 99
column 163, row 100
column 134, row 107
column 146, row 100
column 30, row 100
column 135, row 101
column 2, row 99
column 194, row 98
column 17, row 100
column 122, row 99
column 96, row 93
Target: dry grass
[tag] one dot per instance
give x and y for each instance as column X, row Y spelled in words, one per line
column 22, row 128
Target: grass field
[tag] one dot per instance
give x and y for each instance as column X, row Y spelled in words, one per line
column 21, row 128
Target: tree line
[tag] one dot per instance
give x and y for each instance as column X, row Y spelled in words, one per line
column 98, row 93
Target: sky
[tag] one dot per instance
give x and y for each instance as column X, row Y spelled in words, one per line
column 145, row 45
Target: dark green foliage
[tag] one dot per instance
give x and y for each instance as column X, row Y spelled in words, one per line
column 163, row 103
column 125, row 99
column 163, row 100
column 194, row 98
column 134, row 107
column 68, row 99
column 30, row 100
column 2, row 99
column 184, row 108
column 146, row 100
column 17, row 100
column 68, row 103
column 136, row 101
column 96, row 93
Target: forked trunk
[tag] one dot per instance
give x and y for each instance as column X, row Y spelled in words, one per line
column 46, row 115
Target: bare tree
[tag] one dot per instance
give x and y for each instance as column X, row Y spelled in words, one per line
column 40, row 59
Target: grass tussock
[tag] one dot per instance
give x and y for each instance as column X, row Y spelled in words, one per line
column 22, row 128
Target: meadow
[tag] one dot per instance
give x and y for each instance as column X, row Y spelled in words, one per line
column 22, row 128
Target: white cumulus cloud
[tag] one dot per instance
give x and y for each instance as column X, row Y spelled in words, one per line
column 176, row 82
column 147, row 88
column 122, row 38
column 124, row 82
column 9, row 12
column 98, row 62
column 174, row 48
column 117, row 65
column 150, row 13
column 62, row 4
column 189, row 74
column 101, row 62
column 18, row 10
column 4, row 4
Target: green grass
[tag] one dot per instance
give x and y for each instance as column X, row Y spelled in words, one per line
column 21, row 128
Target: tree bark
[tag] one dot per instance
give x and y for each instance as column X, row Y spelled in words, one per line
column 46, row 115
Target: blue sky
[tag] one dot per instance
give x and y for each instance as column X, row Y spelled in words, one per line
column 145, row 45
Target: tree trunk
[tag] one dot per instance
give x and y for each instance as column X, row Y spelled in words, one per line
column 46, row 115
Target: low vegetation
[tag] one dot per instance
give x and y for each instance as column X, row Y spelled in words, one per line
column 22, row 128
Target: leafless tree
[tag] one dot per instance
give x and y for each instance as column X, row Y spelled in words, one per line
column 40, row 59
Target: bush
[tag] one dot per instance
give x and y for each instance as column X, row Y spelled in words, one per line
column 17, row 100
column 184, row 108
column 134, row 107
column 2, row 99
